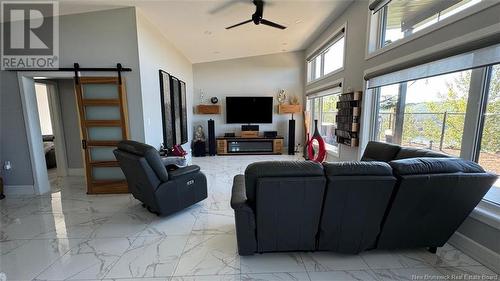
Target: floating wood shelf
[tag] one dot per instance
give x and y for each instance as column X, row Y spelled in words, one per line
column 208, row 109
column 289, row 108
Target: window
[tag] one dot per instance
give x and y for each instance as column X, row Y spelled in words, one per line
column 426, row 113
column 324, row 109
column 489, row 152
column 327, row 59
column 402, row 18
column 438, row 113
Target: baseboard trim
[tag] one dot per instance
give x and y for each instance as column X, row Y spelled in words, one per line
column 477, row 251
column 76, row 172
column 19, row 190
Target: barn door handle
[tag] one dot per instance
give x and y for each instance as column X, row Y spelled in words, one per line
column 84, row 144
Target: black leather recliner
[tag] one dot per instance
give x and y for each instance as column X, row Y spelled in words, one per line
column 162, row 192
column 277, row 206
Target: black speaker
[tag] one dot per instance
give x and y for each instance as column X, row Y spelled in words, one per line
column 291, row 137
column 270, row 134
column 211, row 138
column 250, row 127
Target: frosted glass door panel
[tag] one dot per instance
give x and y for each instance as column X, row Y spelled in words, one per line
column 105, row 133
column 102, row 154
column 102, row 113
column 100, row 91
column 107, row 173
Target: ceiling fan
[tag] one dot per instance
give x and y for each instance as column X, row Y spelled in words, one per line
column 257, row 17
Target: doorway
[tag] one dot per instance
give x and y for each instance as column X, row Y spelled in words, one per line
column 59, row 127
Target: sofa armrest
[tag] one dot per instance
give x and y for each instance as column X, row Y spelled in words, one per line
column 244, row 218
column 356, row 168
column 239, row 194
column 183, row 171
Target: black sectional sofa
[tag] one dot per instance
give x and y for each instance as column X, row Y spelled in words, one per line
column 395, row 197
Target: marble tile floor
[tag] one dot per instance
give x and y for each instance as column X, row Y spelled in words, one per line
column 68, row 235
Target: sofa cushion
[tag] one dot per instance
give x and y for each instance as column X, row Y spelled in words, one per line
column 149, row 153
column 372, row 168
column 411, row 152
column 380, row 151
column 266, row 169
column 429, row 165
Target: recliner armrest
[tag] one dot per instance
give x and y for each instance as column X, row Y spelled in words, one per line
column 239, row 193
column 183, row 171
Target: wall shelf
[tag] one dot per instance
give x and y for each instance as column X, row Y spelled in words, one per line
column 289, row 108
column 208, row 109
column 347, row 119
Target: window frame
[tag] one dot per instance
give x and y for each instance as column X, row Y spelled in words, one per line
column 374, row 44
column 320, row 52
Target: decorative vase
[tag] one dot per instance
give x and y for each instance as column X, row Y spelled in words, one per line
column 321, row 155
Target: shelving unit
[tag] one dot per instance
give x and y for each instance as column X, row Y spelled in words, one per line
column 348, row 117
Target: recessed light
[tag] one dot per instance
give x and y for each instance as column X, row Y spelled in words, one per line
column 298, row 21
column 207, row 32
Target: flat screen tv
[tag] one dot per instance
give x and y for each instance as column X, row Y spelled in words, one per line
column 248, row 110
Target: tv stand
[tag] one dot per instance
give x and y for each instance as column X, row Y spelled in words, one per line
column 249, row 145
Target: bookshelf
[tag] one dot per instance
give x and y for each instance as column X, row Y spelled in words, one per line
column 347, row 119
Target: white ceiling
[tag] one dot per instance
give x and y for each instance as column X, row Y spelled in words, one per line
column 197, row 27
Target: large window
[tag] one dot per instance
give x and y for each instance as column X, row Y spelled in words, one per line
column 324, row 109
column 489, row 153
column 402, row 18
column 442, row 113
column 327, row 59
column 426, row 113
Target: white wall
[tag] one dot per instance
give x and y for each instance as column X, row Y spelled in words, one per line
column 155, row 53
column 252, row 76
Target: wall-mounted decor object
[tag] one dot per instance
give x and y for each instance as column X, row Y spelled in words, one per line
column 214, row 100
column 208, row 109
column 174, row 110
column 281, row 96
column 348, row 117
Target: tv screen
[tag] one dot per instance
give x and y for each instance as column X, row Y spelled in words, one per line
column 248, row 110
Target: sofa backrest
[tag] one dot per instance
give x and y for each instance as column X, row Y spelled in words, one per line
column 412, row 152
column 139, row 163
column 356, row 197
column 287, row 199
column 380, row 151
column 432, row 198
column 267, row 169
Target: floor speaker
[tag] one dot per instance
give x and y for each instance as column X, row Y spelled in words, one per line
column 291, row 137
column 211, row 138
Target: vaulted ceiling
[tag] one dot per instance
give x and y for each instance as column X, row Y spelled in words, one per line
column 197, row 27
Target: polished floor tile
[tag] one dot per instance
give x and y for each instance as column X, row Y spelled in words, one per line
column 69, row 235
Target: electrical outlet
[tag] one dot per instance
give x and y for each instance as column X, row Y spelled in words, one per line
column 7, row 166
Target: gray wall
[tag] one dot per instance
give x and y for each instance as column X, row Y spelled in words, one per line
column 155, row 53
column 71, row 124
column 354, row 64
column 98, row 39
column 251, row 76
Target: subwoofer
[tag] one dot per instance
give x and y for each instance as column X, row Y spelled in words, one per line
column 211, row 138
column 291, row 137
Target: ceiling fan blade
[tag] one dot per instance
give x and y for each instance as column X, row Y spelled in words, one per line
column 238, row 24
column 272, row 24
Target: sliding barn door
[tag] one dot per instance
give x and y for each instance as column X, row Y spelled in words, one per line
column 103, row 121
